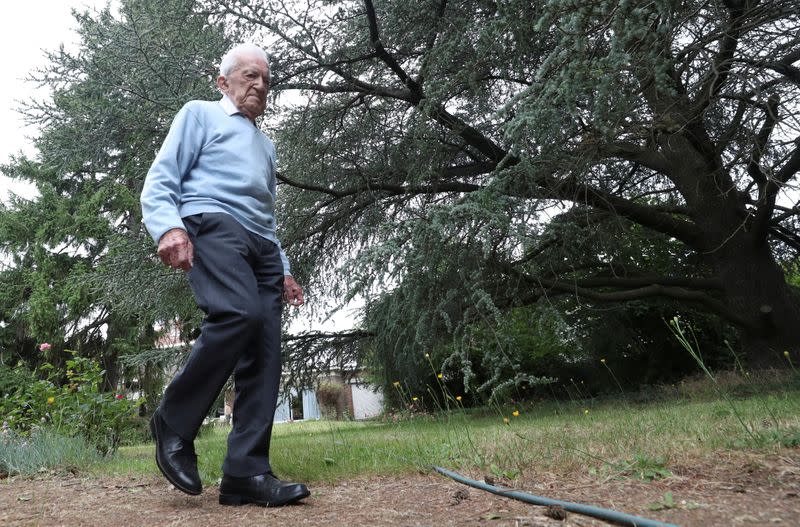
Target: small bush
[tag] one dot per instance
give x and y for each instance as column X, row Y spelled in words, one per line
column 329, row 397
column 42, row 449
column 70, row 402
column 135, row 430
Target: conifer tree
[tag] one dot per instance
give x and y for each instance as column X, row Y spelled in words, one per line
column 81, row 271
column 437, row 138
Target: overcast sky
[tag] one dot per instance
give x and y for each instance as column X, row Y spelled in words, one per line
column 27, row 28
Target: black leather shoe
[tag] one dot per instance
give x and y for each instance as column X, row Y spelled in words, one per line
column 264, row 489
column 175, row 457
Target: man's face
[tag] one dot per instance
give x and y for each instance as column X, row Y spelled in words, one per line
column 247, row 85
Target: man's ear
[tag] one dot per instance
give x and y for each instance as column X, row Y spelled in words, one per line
column 222, row 84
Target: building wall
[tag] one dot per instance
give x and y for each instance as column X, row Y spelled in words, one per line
column 367, row 401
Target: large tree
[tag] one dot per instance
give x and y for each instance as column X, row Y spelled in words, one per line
column 81, row 272
column 436, row 138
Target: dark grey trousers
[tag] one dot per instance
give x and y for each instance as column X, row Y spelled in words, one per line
column 237, row 280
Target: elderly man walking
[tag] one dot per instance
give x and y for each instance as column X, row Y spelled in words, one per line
column 209, row 202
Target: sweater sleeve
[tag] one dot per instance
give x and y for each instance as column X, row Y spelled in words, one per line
column 161, row 194
column 273, row 189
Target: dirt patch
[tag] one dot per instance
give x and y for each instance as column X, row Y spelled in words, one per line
column 732, row 489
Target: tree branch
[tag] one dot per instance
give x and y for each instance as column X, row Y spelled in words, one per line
column 570, row 190
column 377, row 186
column 783, row 67
column 319, row 335
column 760, row 145
column 734, row 126
column 774, row 184
column 643, row 281
column 647, row 157
column 431, row 40
column 789, row 237
column 352, row 86
column 636, row 288
column 315, row 57
column 384, row 55
column 788, row 212
column 471, row 136
column 720, row 69
column 649, row 291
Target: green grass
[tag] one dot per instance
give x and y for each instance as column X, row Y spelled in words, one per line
column 602, row 437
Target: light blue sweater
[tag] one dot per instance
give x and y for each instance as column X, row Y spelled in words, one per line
column 214, row 159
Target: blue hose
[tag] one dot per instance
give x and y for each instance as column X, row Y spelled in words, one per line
column 619, row 518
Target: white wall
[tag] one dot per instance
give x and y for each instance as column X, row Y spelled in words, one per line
column 366, row 402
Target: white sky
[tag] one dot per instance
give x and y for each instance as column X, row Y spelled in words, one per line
column 26, row 29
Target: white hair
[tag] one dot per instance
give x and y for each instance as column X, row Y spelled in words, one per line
column 231, row 58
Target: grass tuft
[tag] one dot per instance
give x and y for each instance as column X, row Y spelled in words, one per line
column 43, row 450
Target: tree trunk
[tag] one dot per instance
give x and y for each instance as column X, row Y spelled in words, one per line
column 755, row 286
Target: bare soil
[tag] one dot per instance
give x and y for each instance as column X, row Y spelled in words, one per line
column 728, row 489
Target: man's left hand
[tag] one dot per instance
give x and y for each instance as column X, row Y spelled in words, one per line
column 292, row 292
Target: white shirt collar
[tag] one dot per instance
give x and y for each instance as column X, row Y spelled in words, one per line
column 228, row 106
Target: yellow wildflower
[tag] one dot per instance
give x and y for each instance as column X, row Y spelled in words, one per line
column 505, row 420
column 458, row 397
column 586, row 412
column 414, row 398
column 439, row 376
column 396, row 384
column 427, row 356
column 51, row 400
column 786, row 354
column 515, row 413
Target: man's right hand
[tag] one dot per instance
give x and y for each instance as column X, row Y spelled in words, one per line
column 176, row 250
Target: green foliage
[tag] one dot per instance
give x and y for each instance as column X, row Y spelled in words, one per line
column 642, row 466
column 25, row 399
column 503, row 474
column 68, row 401
column 786, row 437
column 646, row 468
column 667, row 502
column 793, row 276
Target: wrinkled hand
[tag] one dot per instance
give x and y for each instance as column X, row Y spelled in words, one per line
column 292, row 292
column 176, row 250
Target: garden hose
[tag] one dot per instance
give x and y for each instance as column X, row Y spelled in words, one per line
column 608, row 515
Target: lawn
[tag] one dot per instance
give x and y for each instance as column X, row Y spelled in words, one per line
column 615, row 436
